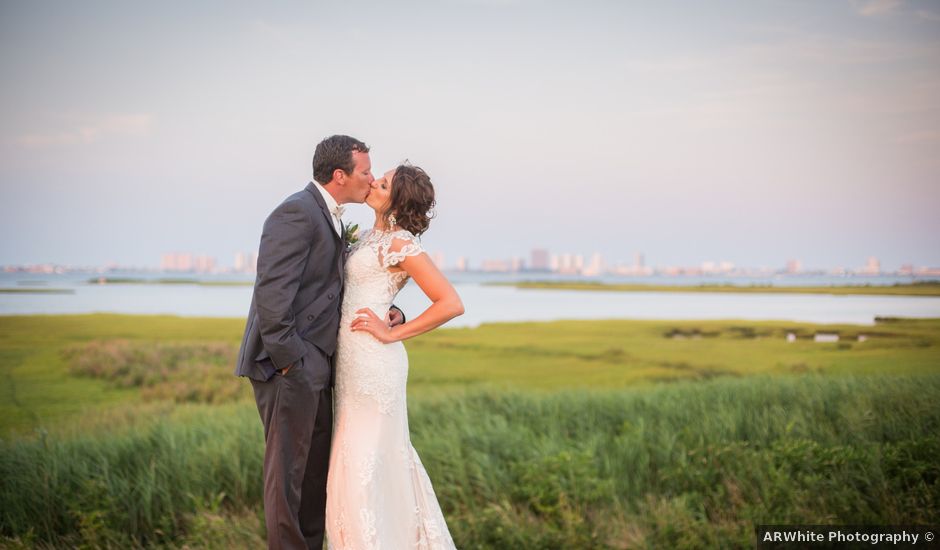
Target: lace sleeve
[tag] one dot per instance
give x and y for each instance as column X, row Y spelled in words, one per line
column 397, row 247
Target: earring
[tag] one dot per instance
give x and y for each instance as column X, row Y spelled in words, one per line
column 391, row 221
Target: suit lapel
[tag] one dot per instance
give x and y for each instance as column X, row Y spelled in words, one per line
column 341, row 262
column 322, row 204
column 340, row 245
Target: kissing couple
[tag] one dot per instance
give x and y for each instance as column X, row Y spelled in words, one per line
column 323, row 351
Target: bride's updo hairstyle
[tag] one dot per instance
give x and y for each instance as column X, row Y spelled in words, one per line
column 412, row 199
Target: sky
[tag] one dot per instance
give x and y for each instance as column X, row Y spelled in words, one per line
column 746, row 131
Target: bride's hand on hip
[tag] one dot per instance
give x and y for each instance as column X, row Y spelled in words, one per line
column 368, row 321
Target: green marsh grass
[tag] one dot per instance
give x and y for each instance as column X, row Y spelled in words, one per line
column 544, row 357
column 687, row 465
column 606, row 434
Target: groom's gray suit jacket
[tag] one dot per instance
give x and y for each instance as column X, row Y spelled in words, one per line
column 298, row 288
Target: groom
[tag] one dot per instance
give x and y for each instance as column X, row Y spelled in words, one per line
column 290, row 338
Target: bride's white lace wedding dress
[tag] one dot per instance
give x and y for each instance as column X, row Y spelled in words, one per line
column 378, row 493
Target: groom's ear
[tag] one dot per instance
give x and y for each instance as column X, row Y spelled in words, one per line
column 339, row 176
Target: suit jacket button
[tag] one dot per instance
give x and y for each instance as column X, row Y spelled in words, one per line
column 310, row 317
column 329, row 296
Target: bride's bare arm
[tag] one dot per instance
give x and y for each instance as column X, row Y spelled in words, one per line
column 445, row 304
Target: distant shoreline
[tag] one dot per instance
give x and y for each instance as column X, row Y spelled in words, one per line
column 164, row 281
column 36, row 291
column 925, row 288
column 898, row 289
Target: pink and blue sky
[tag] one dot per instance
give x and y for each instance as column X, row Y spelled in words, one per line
column 748, row 131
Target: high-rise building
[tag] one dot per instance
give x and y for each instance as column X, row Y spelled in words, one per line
column 873, row 266
column 594, row 267
column 495, row 265
column 168, row 262
column 184, row 262
column 794, row 266
column 175, row 261
column 241, row 262
column 540, row 260
column 566, row 264
column 461, row 263
column 204, row 264
column 438, row 259
column 638, row 267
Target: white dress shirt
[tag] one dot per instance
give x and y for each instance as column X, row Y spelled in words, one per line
column 335, row 209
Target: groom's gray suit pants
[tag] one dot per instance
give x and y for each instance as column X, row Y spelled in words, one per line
column 297, row 413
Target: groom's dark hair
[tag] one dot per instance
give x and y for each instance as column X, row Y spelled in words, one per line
column 335, row 152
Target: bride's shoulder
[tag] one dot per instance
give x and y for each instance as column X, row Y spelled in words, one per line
column 404, row 242
column 403, row 234
column 398, row 245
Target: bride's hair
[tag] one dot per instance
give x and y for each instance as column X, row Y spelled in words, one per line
column 412, row 199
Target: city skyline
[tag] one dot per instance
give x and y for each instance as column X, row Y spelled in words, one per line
column 752, row 133
column 539, row 260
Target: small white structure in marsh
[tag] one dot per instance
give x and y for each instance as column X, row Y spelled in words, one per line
column 826, row 337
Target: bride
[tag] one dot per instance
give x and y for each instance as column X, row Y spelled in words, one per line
column 378, row 492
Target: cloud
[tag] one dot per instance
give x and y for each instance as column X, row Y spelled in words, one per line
column 830, row 50
column 89, row 129
column 923, row 136
column 928, row 15
column 874, row 8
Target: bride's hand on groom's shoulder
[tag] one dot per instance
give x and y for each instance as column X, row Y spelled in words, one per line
column 368, row 321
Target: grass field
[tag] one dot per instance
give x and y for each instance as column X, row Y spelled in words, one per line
column 926, row 288
column 128, row 431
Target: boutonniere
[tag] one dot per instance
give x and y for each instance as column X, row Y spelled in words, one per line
column 351, row 234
